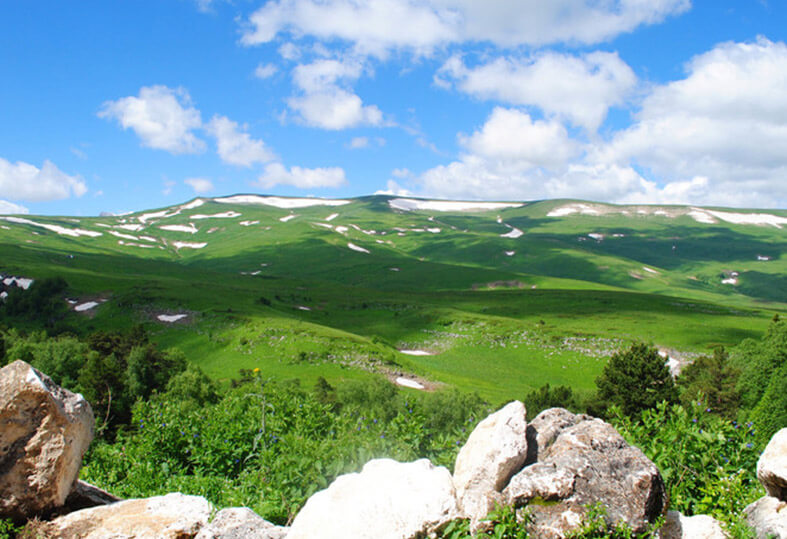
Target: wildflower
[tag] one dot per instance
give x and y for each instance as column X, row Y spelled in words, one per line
column 694, row 420
column 749, row 445
column 707, row 409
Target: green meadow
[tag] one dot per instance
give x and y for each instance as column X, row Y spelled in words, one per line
column 499, row 302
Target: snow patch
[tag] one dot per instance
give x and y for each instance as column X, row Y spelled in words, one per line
column 730, row 280
column 341, row 229
column 73, row 232
column 650, row 270
column 762, row 258
column 357, row 248
column 510, row 253
column 124, row 236
column 304, row 308
column 332, row 216
column 749, row 218
column 196, row 203
column 82, row 307
column 188, row 245
column 596, row 236
column 190, row 229
column 417, row 352
column 278, row 202
column 513, row 233
column 21, row 282
column 287, row 218
column 225, row 215
column 411, row 204
column 163, row 214
column 131, row 227
column 582, row 209
column 248, row 223
column 701, row 216
column 406, row 382
column 324, row 225
column 170, row 318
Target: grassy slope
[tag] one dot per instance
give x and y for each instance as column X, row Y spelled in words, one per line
column 569, row 301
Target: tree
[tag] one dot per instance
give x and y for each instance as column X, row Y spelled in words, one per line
column 636, row 379
column 550, row 397
column 715, row 379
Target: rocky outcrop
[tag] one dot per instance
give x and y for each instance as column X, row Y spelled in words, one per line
column 241, row 523
column 581, row 462
column 677, row 526
column 768, row 517
column 772, row 466
column 495, row 451
column 174, row 516
column 44, row 432
column 387, row 499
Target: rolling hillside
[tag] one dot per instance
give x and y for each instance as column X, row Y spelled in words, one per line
column 494, row 297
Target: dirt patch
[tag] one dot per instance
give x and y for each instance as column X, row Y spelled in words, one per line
column 500, row 284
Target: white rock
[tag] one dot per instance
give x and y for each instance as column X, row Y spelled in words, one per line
column 772, row 466
column 174, row 516
column 494, row 452
column 387, row 500
column 44, row 432
column 768, row 517
column 677, row 526
column 241, row 523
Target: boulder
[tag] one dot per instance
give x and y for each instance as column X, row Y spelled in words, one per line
column 768, row 517
column 586, row 463
column 241, row 523
column 386, row 500
column 677, row 526
column 494, row 452
column 772, row 466
column 44, row 432
column 174, row 516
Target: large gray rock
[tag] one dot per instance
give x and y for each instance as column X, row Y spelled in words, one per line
column 241, row 523
column 494, row 452
column 768, row 517
column 174, row 516
column 678, row 526
column 386, row 500
column 584, row 462
column 772, row 466
column 44, row 432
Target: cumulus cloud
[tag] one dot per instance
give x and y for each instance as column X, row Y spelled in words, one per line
column 7, row 208
column 578, row 88
column 236, row 147
column 200, row 185
column 161, row 117
column 325, row 101
column 380, row 26
column 265, row 71
column 726, row 121
column 302, row 178
column 23, row 181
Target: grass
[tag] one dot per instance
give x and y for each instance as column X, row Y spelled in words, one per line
column 503, row 325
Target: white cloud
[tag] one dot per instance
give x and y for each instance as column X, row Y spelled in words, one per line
column 160, row 116
column 7, row 208
column 265, row 71
column 168, row 185
column 394, row 189
column 578, row 88
column 325, row 102
column 726, row 121
column 23, row 181
column 511, row 136
column 290, row 51
column 302, row 178
column 358, row 143
column 236, row 147
column 200, row 185
column 379, row 26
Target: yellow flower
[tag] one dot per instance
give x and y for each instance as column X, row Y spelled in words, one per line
column 256, row 370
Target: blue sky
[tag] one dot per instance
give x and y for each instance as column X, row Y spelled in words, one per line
column 120, row 106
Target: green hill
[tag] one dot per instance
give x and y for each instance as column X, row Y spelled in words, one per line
column 499, row 298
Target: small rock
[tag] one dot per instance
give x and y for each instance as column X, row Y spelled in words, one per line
column 494, row 452
column 772, row 466
column 582, row 462
column 241, row 523
column 768, row 517
column 386, row 500
column 44, row 432
column 174, row 516
column 677, row 526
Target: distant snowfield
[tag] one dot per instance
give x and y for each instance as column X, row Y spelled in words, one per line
column 190, row 229
column 357, row 248
column 278, row 202
column 124, row 236
column 196, row 203
column 411, row 204
column 131, row 227
column 406, row 382
column 701, row 215
column 73, row 232
column 225, row 215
